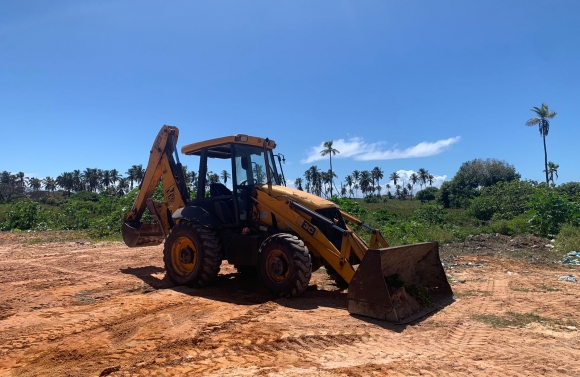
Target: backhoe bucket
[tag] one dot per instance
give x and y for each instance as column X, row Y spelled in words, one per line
column 142, row 234
column 399, row 284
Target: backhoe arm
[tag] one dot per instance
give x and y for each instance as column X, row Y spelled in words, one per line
column 161, row 166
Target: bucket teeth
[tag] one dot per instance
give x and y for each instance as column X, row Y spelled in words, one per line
column 399, row 284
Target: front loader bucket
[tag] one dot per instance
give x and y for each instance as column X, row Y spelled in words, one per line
column 399, row 284
column 142, row 234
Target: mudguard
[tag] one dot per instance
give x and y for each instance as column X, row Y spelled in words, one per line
column 197, row 215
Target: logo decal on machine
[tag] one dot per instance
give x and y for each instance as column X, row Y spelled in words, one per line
column 308, row 227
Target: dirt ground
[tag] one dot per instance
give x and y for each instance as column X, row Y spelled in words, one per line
column 71, row 308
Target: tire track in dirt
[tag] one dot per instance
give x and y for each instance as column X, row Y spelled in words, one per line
column 242, row 341
column 93, row 318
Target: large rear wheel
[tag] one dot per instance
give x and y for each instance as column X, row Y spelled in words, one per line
column 192, row 255
column 285, row 267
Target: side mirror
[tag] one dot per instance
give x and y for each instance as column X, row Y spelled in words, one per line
column 245, row 163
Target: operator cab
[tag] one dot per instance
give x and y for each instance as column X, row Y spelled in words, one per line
column 252, row 165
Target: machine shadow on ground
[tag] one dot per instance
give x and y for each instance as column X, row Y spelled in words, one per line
column 240, row 289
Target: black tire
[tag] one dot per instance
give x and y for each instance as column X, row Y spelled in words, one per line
column 284, row 265
column 338, row 280
column 192, row 255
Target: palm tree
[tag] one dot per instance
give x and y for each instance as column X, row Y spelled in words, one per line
column 139, row 173
column 34, row 183
column 20, row 176
column 423, row 177
column 377, row 173
column 544, row 126
column 77, row 178
column 114, row 176
column 313, row 180
column 410, row 188
column 106, row 178
column 349, row 183
column 49, row 184
column 388, row 187
column 430, row 179
column 123, row 186
column 394, row 177
column 329, row 150
column 225, row 176
column 298, row 184
column 131, row 175
column 366, row 181
column 552, row 168
column 66, row 182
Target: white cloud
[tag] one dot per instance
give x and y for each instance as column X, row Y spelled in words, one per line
column 360, row 150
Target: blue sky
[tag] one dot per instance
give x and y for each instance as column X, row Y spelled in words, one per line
column 401, row 85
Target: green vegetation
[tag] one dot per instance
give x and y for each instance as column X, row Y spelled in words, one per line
column 511, row 319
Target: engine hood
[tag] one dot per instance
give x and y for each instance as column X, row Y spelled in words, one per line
column 310, row 201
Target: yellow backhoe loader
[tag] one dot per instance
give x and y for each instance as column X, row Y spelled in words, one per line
column 281, row 233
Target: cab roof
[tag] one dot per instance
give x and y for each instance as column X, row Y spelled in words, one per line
column 219, row 147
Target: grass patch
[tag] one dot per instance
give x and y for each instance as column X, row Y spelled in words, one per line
column 546, row 288
column 510, row 319
column 470, row 293
column 521, row 289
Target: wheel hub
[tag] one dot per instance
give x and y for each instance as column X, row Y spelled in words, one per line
column 277, row 266
column 186, row 255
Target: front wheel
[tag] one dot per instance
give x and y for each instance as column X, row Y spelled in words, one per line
column 285, row 266
column 192, row 255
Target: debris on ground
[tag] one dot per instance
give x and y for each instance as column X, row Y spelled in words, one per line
column 572, row 257
column 571, row 278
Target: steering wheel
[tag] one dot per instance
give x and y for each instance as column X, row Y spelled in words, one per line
column 243, row 183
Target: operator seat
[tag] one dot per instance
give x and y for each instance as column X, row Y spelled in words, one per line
column 224, row 207
column 218, row 189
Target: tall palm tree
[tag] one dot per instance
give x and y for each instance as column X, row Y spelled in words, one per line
column 394, row 177
column 377, row 174
column 349, row 182
column 430, row 179
column 552, row 168
column 410, row 188
column 388, row 187
column 329, row 150
column 423, row 177
column 543, row 114
column 366, row 181
column 225, row 176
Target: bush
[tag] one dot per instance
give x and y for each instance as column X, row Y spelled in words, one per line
column 550, row 210
column 504, row 200
column 568, row 239
column 429, row 193
column 430, row 214
column 24, row 215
